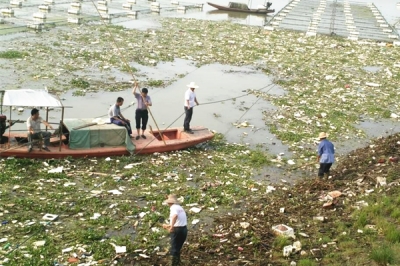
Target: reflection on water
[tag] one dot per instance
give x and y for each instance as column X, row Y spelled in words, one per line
column 240, row 17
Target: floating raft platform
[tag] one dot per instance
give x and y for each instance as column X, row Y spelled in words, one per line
column 17, row 16
column 341, row 18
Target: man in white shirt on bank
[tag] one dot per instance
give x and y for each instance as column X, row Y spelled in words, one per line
column 177, row 228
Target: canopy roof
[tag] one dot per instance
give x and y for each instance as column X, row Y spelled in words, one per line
column 28, row 97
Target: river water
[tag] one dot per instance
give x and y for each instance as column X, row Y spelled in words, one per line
column 217, row 82
column 389, row 9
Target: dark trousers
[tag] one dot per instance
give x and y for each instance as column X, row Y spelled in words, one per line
column 324, row 169
column 45, row 135
column 141, row 115
column 119, row 123
column 188, row 118
column 178, row 237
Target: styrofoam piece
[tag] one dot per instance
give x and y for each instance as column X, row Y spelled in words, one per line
column 387, row 30
column 132, row 14
column 311, row 34
column 7, row 12
column 44, row 7
column 396, row 43
column 74, row 20
column 287, row 250
column 352, row 38
column 393, row 36
column 39, row 15
column 76, row 5
column 16, row 3
column 102, row 3
column 371, row 84
column 270, row 28
column 50, row 217
column 102, row 8
column 127, row 6
column 384, row 25
column 282, row 229
column 74, row 11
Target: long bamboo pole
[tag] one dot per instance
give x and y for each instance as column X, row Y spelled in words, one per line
column 9, row 130
column 123, row 60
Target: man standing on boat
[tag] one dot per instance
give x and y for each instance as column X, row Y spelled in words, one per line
column 190, row 100
column 116, row 116
column 141, row 114
column 34, row 131
column 177, row 228
column 326, row 155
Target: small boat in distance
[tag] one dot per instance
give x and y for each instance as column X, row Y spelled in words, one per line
column 241, row 7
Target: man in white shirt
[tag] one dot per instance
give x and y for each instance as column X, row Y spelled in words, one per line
column 116, row 117
column 190, row 100
column 177, row 228
column 34, row 131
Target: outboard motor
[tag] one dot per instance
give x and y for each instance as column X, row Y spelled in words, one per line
column 269, row 4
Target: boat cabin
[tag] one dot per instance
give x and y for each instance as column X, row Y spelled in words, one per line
column 237, row 5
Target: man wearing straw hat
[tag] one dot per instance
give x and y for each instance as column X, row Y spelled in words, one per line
column 190, row 100
column 326, row 155
column 177, row 228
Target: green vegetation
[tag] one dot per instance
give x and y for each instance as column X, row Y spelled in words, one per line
column 129, row 69
column 11, row 54
column 383, row 255
column 80, row 83
column 155, row 83
column 80, row 192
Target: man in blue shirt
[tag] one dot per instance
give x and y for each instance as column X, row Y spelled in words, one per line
column 326, row 155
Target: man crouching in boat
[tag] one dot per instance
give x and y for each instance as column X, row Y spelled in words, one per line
column 34, row 131
column 116, row 116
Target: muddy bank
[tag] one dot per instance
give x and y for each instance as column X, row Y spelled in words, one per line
column 327, row 228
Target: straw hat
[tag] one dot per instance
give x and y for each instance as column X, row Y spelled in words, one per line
column 172, row 199
column 322, row 135
column 192, row 85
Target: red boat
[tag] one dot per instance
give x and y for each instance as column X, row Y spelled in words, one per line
column 90, row 138
column 241, row 7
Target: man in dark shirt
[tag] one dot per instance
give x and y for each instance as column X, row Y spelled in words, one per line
column 141, row 114
column 326, row 155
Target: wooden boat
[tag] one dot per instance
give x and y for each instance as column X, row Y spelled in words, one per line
column 98, row 138
column 241, row 7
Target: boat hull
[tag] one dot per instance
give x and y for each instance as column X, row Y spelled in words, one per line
column 252, row 11
column 175, row 139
